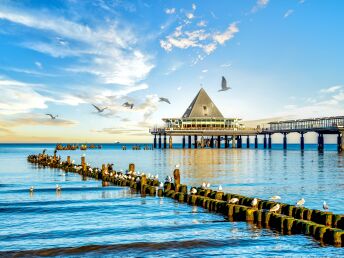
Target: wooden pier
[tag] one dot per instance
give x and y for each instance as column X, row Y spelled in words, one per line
column 203, row 125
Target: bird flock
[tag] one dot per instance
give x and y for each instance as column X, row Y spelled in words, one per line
column 131, row 105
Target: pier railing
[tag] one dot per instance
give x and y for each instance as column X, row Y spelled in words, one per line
column 162, row 130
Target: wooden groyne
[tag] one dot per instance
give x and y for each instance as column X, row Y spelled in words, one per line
column 326, row 227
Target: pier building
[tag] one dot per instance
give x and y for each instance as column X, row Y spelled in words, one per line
column 203, row 122
column 203, row 125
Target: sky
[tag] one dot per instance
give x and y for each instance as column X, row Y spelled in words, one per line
column 282, row 59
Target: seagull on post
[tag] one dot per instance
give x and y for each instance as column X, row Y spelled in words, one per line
column 224, row 86
column 233, row 200
column 161, row 99
column 275, row 208
column 325, row 206
column 254, row 202
column 300, row 202
column 100, row 110
column 275, row 197
column 52, row 116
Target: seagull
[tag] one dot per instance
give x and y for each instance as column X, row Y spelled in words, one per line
column 52, row 117
column 254, row 202
column 193, row 190
column 177, row 166
column 224, row 86
column 275, row 208
column 58, row 188
column 161, row 185
column 220, row 188
column 31, row 189
column 300, row 202
column 204, row 185
column 233, row 200
column 325, row 206
column 100, row 110
column 161, row 99
column 128, row 105
column 275, row 197
column 208, row 185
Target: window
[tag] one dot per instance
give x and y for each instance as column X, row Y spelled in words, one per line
column 205, row 110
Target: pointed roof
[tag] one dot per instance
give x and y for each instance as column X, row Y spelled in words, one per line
column 202, row 106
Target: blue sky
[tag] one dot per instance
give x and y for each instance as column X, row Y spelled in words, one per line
column 283, row 59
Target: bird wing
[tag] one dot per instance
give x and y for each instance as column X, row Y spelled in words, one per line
column 96, row 107
column 167, row 100
column 224, row 83
column 50, row 115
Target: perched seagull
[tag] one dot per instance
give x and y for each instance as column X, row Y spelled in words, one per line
column 204, row 185
column 177, row 166
column 51, row 116
column 128, row 105
column 233, row 200
column 300, row 202
column 100, row 110
column 193, row 190
column 58, row 188
column 161, row 185
column 254, row 202
column 161, row 99
column 31, row 189
column 275, row 208
column 325, row 206
column 208, row 185
column 275, row 197
column 224, row 86
column 220, row 188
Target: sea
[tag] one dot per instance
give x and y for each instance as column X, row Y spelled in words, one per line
column 88, row 218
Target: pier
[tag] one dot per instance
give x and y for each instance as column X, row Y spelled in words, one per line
column 323, row 226
column 203, row 126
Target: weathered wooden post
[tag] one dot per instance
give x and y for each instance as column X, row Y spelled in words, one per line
column 170, row 142
column 176, row 175
column 132, row 167
column 83, row 163
column 143, row 183
column 68, row 160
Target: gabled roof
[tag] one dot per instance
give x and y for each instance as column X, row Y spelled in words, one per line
column 202, row 106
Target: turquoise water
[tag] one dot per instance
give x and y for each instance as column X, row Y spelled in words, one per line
column 87, row 218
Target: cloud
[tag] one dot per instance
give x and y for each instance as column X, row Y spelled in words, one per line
column 199, row 38
column 107, row 51
column 170, row 11
column 226, row 65
column 331, row 89
column 202, row 24
column 260, row 4
column 194, row 7
column 288, row 13
column 39, row 64
column 228, row 34
column 189, row 15
column 205, row 71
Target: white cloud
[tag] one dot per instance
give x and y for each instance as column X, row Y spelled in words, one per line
column 170, row 11
column 331, row 89
column 202, row 24
column 221, row 38
column 199, row 38
column 226, row 65
column 194, row 7
column 205, row 71
column 108, row 52
column 288, row 13
column 259, row 5
column 189, row 15
column 179, row 88
column 39, row 64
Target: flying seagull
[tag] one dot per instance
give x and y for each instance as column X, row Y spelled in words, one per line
column 161, row 99
column 128, row 105
column 52, row 117
column 99, row 109
column 224, row 86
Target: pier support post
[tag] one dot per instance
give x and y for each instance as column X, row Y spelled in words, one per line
column 234, row 144
column 189, row 141
column 212, row 142
column 219, row 142
column 68, row 160
column 226, row 141
column 264, row 141
column 248, row 142
column 320, row 142
column 284, row 141
column 159, row 141
column 165, row 141
column 269, row 141
column 256, row 142
column 239, row 145
column 154, row 144
column 183, row 141
column 170, row 142
column 195, row 138
column 302, row 141
column 342, row 141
